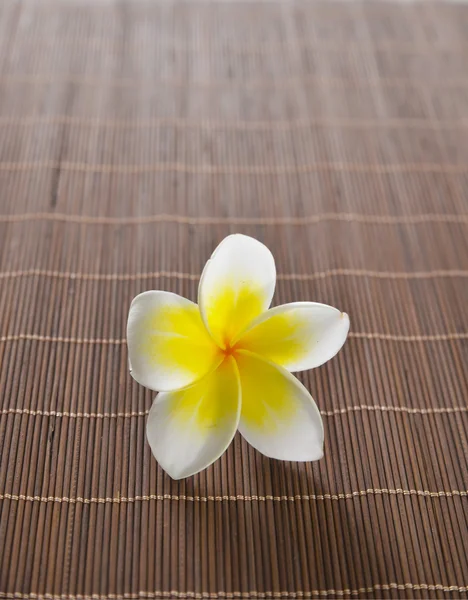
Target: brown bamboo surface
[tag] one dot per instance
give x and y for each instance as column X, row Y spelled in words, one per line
column 134, row 136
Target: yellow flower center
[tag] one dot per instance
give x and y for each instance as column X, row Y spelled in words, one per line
column 228, row 350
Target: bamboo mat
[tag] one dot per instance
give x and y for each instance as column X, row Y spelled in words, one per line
column 133, row 138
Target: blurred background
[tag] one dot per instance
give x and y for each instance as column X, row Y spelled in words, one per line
column 134, row 136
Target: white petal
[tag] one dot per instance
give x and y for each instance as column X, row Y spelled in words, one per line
column 297, row 336
column 279, row 417
column 236, row 286
column 189, row 429
column 168, row 345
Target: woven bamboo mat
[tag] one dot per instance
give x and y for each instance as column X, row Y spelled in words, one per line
column 133, row 138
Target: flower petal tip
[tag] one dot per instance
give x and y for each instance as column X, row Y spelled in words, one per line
column 318, row 456
column 175, row 474
column 346, row 321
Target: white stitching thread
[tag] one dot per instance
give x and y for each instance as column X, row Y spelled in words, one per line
column 195, row 277
column 326, row 413
column 237, row 498
column 211, row 169
column 238, row 594
column 185, row 220
column 399, row 48
column 236, row 125
column 439, row 337
column 285, row 82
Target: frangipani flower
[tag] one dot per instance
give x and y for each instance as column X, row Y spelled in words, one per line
column 225, row 364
